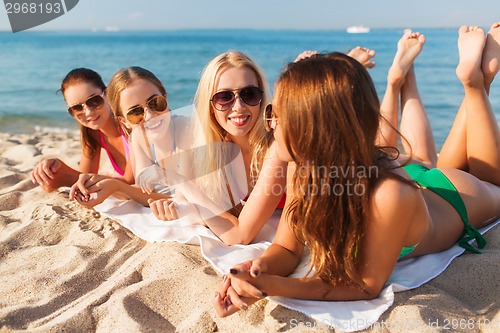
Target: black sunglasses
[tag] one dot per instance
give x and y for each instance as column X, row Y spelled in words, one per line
column 135, row 115
column 93, row 102
column 270, row 118
column 224, row 100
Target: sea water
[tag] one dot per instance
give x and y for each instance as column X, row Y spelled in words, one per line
column 32, row 65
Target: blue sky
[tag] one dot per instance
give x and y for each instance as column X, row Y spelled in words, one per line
column 270, row 14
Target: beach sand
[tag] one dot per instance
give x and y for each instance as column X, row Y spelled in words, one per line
column 65, row 268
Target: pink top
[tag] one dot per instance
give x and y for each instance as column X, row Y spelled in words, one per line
column 125, row 145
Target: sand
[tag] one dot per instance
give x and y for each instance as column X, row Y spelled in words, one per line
column 66, row 268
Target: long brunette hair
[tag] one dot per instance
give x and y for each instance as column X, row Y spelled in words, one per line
column 329, row 111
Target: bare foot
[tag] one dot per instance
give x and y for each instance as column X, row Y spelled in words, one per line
column 363, row 55
column 409, row 47
column 491, row 54
column 471, row 41
column 305, row 54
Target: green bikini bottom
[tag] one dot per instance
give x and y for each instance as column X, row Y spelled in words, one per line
column 437, row 182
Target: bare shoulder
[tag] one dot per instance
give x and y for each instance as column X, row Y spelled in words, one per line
column 393, row 199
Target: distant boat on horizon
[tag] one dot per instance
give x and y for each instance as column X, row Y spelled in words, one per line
column 358, row 29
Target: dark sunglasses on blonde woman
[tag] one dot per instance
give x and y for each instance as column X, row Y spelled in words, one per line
column 270, row 118
column 224, row 100
column 93, row 102
column 135, row 115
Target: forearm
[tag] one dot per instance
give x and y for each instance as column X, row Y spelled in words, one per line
column 225, row 226
column 221, row 222
column 278, row 260
column 135, row 193
column 313, row 289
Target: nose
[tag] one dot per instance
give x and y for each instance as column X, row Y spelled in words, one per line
column 87, row 109
column 148, row 113
column 238, row 102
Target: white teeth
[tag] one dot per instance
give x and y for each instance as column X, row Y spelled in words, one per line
column 151, row 125
column 239, row 120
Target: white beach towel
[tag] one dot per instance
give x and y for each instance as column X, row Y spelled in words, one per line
column 346, row 316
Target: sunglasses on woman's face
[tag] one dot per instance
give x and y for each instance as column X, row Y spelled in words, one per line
column 92, row 103
column 224, row 100
column 135, row 115
column 270, row 118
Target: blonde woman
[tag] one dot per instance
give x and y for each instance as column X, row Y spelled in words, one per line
column 229, row 103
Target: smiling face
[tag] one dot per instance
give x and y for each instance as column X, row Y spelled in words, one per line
column 239, row 119
column 138, row 94
column 79, row 93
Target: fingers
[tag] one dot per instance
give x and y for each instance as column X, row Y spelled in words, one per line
column 257, row 267
column 43, row 172
column 146, row 189
column 223, row 305
column 163, row 209
column 79, row 190
column 47, row 168
column 80, row 183
column 85, row 184
column 156, row 209
column 173, row 211
column 224, row 286
column 56, row 165
column 251, row 268
column 244, row 276
column 235, row 299
column 226, row 300
column 73, row 192
column 246, row 289
column 76, row 194
column 32, row 177
column 91, row 200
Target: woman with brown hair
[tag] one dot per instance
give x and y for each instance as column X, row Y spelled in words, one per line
column 350, row 201
column 84, row 92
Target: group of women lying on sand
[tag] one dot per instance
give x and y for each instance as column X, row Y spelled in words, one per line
column 324, row 150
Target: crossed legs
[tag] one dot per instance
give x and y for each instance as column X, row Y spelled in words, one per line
column 473, row 144
column 417, row 138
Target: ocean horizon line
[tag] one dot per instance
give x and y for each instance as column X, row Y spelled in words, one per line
column 117, row 30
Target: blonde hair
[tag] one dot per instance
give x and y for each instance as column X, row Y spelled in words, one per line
column 210, row 161
column 123, row 79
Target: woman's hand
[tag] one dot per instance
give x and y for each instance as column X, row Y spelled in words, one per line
column 163, row 209
column 248, row 280
column 83, row 184
column 96, row 190
column 238, row 289
column 227, row 301
column 149, row 177
column 45, row 171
